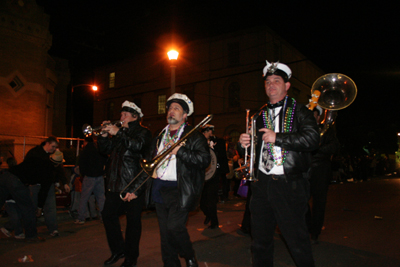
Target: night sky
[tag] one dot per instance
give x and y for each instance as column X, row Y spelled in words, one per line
column 359, row 40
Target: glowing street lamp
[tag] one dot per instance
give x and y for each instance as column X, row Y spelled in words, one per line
column 94, row 88
column 173, row 56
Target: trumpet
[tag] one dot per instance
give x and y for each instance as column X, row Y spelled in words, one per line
column 149, row 166
column 88, row 130
column 247, row 170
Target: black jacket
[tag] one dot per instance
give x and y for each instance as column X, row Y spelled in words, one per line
column 300, row 142
column 41, row 171
column 91, row 161
column 192, row 160
column 126, row 149
column 55, row 174
column 329, row 145
column 33, row 171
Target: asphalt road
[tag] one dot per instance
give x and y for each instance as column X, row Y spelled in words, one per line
column 361, row 229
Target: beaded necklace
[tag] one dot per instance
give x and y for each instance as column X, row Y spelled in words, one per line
column 166, row 144
column 287, row 127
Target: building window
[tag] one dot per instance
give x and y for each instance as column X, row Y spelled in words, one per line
column 234, row 95
column 161, row 104
column 111, row 82
column 49, row 99
column 233, row 54
column 16, row 84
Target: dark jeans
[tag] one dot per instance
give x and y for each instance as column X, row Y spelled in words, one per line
column 280, row 202
column 15, row 218
column 320, row 177
column 49, row 208
column 175, row 239
column 91, row 185
column 246, row 222
column 115, row 207
column 225, row 186
column 10, row 185
column 209, row 199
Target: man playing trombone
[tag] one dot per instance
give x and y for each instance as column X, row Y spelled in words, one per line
column 178, row 181
column 126, row 147
column 287, row 132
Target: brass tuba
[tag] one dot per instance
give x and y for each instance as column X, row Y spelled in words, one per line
column 338, row 91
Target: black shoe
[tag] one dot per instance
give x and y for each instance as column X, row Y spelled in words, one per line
column 128, row 263
column 243, row 231
column 213, row 226
column 114, row 258
column 314, row 239
column 314, row 242
column 192, row 262
column 207, row 220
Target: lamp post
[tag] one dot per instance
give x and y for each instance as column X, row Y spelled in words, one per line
column 94, row 88
column 173, row 56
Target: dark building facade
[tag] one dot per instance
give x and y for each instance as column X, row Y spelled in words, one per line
column 32, row 84
column 222, row 75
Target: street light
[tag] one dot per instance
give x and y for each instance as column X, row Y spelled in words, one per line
column 173, row 56
column 94, row 88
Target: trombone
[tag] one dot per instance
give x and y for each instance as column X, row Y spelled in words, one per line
column 149, row 166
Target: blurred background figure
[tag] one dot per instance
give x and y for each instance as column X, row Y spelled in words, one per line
column 14, row 223
column 320, row 177
column 91, row 167
column 209, row 197
column 43, row 194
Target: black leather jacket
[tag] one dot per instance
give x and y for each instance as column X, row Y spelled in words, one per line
column 126, row 149
column 192, row 160
column 300, row 142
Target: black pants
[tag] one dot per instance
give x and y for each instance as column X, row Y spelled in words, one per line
column 11, row 186
column 284, row 203
column 246, row 222
column 320, row 177
column 209, row 199
column 113, row 208
column 175, row 239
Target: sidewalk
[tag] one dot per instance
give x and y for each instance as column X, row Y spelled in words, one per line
column 353, row 236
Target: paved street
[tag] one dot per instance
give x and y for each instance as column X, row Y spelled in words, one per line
column 361, row 229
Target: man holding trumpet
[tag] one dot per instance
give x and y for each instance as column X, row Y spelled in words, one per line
column 287, row 134
column 178, row 181
column 126, row 146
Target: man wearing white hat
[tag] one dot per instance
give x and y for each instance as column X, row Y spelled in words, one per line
column 126, row 146
column 179, row 181
column 287, row 132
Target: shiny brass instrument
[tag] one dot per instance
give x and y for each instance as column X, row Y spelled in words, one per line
column 212, row 168
column 150, row 166
column 88, row 130
column 338, row 91
column 247, row 170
